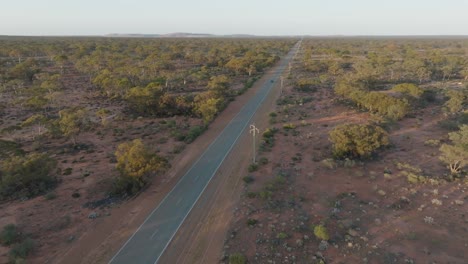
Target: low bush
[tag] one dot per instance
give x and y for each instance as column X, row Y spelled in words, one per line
column 252, row 222
column 193, row 133
column 237, row 258
column 9, row 235
column 248, row 179
column 26, row 176
column 21, row 250
column 252, row 167
column 321, row 232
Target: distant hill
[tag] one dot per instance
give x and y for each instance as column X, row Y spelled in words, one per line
column 183, row 35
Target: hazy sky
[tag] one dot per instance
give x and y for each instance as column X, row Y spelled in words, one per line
column 261, row 17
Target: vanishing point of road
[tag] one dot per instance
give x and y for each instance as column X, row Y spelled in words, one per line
column 150, row 240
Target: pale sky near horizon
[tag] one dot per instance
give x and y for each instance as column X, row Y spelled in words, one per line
column 260, row 17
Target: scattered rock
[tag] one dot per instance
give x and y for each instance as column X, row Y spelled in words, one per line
column 323, row 245
column 93, row 215
column 353, row 233
column 300, row 242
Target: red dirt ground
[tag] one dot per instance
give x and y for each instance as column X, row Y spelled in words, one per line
column 371, row 211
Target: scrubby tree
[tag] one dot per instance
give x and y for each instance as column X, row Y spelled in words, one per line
column 136, row 163
column 207, row 107
column 73, row 121
column 357, row 140
column 455, row 155
column 26, row 176
column 456, row 102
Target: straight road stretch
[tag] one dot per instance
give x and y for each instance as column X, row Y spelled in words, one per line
column 150, row 240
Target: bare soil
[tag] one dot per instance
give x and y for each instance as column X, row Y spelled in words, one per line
column 373, row 214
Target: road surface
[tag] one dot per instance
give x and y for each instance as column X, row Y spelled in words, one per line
column 150, row 240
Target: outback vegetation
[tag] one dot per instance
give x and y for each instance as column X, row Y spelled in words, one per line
column 367, row 157
column 88, row 122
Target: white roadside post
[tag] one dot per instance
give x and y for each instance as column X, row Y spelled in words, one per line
column 282, row 81
column 254, row 131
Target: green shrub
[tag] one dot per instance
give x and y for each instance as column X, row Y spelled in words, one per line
column 26, row 176
column 321, row 232
column 252, row 167
column 237, row 258
column 454, row 122
column 22, row 250
column 265, row 194
column 67, row 171
column 289, row 126
column 306, row 85
column 194, row 132
column 9, row 235
column 252, row 222
column 50, row 196
column 432, row 142
column 10, row 148
column 357, row 141
column 263, row 161
column 282, row 235
column 248, row 179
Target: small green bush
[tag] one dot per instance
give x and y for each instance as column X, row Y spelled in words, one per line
column 252, row 222
column 252, row 167
column 50, row 196
column 9, row 235
column 22, row 250
column 282, row 235
column 26, row 176
column 263, row 161
column 68, row 171
column 321, row 232
column 237, row 258
column 265, row 194
column 194, row 132
column 248, row 179
column 289, row 126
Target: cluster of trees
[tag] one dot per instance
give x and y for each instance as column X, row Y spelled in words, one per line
column 388, row 60
column 154, row 77
column 381, row 103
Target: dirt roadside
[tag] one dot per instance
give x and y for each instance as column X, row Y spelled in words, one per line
column 107, row 234
column 201, row 238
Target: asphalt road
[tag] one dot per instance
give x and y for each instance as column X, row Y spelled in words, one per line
column 150, row 240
